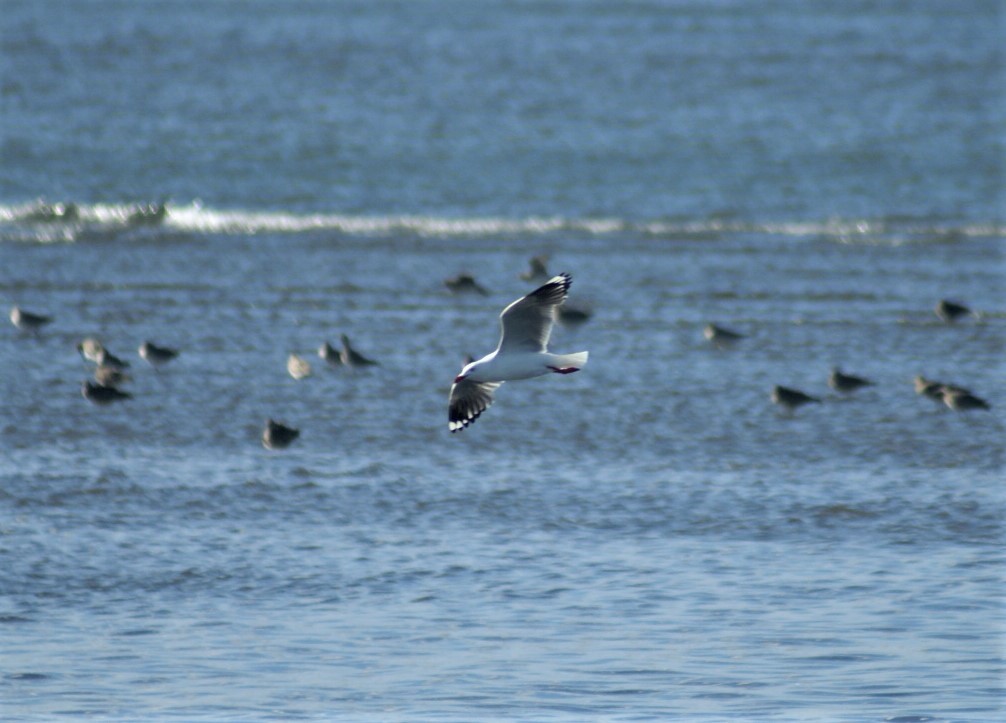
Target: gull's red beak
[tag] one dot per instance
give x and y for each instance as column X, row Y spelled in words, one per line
column 459, row 378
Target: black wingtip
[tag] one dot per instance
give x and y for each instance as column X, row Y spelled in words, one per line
column 456, row 424
column 554, row 290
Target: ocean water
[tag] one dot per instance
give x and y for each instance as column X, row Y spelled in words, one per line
column 648, row 539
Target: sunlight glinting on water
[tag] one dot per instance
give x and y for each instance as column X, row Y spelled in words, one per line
column 23, row 223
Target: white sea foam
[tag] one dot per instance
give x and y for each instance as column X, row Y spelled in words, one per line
column 41, row 222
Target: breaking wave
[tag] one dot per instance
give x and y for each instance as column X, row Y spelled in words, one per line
column 42, row 222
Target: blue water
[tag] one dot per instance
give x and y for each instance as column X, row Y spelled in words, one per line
column 648, row 539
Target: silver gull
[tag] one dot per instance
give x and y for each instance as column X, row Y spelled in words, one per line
column 522, row 353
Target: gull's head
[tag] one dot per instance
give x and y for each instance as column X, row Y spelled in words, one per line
column 465, row 371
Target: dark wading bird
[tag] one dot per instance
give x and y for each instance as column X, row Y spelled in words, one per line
column 352, row 358
column 27, row 321
column 522, row 353
column 330, row 354
column 950, row 311
column 106, row 358
column 790, row 399
column 465, row 284
column 934, row 390
column 155, row 355
column 720, row 336
column 347, row 356
column 962, row 401
column 94, row 351
column 573, row 316
column 846, row 383
column 537, row 269
column 110, row 376
column 278, row 436
column 100, row 394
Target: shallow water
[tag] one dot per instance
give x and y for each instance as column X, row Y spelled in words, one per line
column 650, row 538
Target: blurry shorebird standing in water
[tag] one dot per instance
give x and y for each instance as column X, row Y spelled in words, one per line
column 27, row 321
column 278, row 436
column 955, row 397
column 330, row 354
column 465, row 284
column 155, row 355
column 347, row 356
column 950, row 311
column 352, row 358
column 94, row 351
column 106, row 358
column 109, row 376
column 846, row 383
column 962, row 401
column 573, row 316
column 522, row 353
column 928, row 388
column 298, row 367
column 934, row 390
column 789, row 399
column 100, row 394
column 537, row 269
column 90, row 348
column 720, row 337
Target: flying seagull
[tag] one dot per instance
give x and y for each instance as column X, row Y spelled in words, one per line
column 522, row 353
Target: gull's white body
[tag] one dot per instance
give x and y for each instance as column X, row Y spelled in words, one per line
column 522, row 353
column 520, row 365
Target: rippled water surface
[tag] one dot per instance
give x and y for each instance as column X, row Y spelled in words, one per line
column 648, row 539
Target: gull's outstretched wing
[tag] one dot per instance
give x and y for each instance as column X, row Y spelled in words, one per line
column 527, row 323
column 468, row 400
